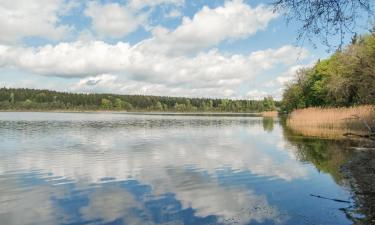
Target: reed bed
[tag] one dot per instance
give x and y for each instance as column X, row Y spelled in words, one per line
column 270, row 114
column 333, row 122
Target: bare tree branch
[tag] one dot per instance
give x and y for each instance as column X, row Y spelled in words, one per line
column 326, row 18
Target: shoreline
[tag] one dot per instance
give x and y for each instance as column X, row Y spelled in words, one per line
column 137, row 112
column 335, row 123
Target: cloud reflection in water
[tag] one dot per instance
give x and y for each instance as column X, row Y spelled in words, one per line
column 181, row 163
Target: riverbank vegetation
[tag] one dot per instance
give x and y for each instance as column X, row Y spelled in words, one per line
column 45, row 100
column 337, row 95
column 333, row 122
column 345, row 79
column 270, row 114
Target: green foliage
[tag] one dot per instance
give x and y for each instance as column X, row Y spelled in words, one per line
column 11, row 98
column 268, row 104
column 158, row 106
column 122, row 105
column 30, row 99
column 293, row 98
column 106, row 104
column 347, row 78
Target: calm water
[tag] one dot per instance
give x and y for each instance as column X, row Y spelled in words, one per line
column 76, row 168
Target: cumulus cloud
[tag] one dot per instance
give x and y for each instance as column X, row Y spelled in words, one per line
column 266, row 59
column 209, row 27
column 204, row 72
column 111, row 83
column 174, row 13
column 116, row 20
column 139, row 4
column 81, row 59
column 112, row 19
column 32, row 18
column 286, row 77
column 102, row 79
column 256, row 94
column 289, row 75
column 68, row 59
column 178, row 62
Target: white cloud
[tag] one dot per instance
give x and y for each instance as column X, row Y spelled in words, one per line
column 163, row 64
column 68, row 59
column 39, row 18
column 174, row 13
column 206, row 73
column 112, row 19
column 112, row 84
column 266, row 59
column 102, row 79
column 209, row 27
column 279, row 83
column 139, row 4
column 118, row 20
column 256, row 94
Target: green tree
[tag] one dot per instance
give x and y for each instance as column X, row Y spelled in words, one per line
column 106, row 104
column 158, row 106
column 180, row 107
column 119, row 104
column 346, row 78
column 268, row 104
column 127, row 106
column 293, row 98
column 11, row 98
column 223, row 104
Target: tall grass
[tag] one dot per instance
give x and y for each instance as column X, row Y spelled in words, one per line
column 333, row 122
column 269, row 114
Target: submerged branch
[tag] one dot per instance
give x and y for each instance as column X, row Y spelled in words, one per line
column 370, row 136
column 332, row 199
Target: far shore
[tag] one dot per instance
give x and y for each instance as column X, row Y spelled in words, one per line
column 139, row 112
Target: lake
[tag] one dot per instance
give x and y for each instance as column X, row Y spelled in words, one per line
column 113, row 168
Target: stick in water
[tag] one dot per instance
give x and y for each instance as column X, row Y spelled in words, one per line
column 333, row 199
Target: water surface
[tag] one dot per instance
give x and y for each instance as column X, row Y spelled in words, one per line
column 103, row 168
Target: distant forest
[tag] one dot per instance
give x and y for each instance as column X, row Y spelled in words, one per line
column 347, row 78
column 43, row 100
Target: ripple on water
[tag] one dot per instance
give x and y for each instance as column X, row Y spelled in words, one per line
column 72, row 168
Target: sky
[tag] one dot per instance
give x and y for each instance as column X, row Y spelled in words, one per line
column 234, row 49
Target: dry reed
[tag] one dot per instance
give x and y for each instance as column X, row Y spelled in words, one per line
column 333, row 122
column 270, row 114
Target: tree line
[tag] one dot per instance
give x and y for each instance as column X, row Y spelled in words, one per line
column 32, row 99
column 346, row 78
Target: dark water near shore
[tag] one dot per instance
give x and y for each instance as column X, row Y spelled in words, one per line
column 77, row 168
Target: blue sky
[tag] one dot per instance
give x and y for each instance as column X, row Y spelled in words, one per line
column 224, row 49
